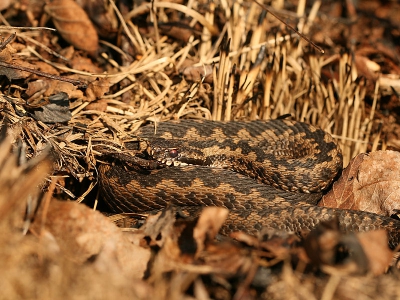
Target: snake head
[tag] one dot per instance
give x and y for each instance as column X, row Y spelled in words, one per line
column 175, row 153
column 165, row 153
column 166, row 156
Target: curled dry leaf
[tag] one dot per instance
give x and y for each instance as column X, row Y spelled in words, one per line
column 388, row 83
column 6, row 59
column 74, row 25
column 369, row 183
column 321, row 243
column 189, row 242
column 208, row 225
column 159, row 226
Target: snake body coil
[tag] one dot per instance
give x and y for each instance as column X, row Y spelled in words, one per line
column 267, row 173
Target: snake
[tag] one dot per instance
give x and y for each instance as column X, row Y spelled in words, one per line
column 269, row 174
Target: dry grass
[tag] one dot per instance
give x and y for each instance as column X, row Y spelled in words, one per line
column 271, row 74
column 263, row 76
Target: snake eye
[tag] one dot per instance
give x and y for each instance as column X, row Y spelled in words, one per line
column 173, row 153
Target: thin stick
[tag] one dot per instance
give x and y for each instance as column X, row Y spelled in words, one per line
column 47, row 75
column 291, row 27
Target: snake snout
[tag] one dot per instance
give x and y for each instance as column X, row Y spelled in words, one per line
column 167, row 157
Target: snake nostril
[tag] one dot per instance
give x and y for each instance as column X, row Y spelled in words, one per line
column 173, row 153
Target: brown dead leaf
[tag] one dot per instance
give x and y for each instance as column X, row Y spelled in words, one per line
column 55, row 111
column 245, row 238
column 159, row 226
column 370, row 183
column 280, row 244
column 367, row 67
column 84, row 64
column 208, row 225
column 83, row 233
column 341, row 195
column 74, row 25
column 321, row 243
column 97, row 88
column 46, row 68
column 335, row 252
column 36, row 89
column 7, row 61
column 102, row 15
column 375, row 246
column 56, row 87
column 198, row 73
column 100, row 105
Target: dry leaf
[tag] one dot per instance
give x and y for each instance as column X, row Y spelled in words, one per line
column 57, row 111
column 4, row 4
column 6, row 57
column 341, row 195
column 97, row 88
column 46, row 68
column 65, row 87
column 321, row 243
column 100, row 105
column 84, row 64
column 36, row 89
column 102, row 15
column 375, row 246
column 198, row 73
column 338, row 253
column 208, row 225
column 73, row 24
column 366, row 67
column 370, row 183
column 83, row 233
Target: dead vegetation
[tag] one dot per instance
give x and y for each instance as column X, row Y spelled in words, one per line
column 84, row 90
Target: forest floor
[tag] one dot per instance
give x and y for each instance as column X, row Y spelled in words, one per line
column 81, row 91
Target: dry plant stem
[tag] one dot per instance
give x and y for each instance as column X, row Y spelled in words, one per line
column 46, row 203
column 267, row 93
column 371, row 115
column 4, row 44
column 257, row 36
column 179, row 7
column 124, row 26
column 242, row 50
column 291, row 27
column 219, row 93
column 206, row 35
column 154, row 19
column 331, row 287
column 229, row 100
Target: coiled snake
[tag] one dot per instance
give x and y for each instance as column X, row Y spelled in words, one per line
column 267, row 173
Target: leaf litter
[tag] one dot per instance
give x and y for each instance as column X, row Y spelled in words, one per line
column 85, row 98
